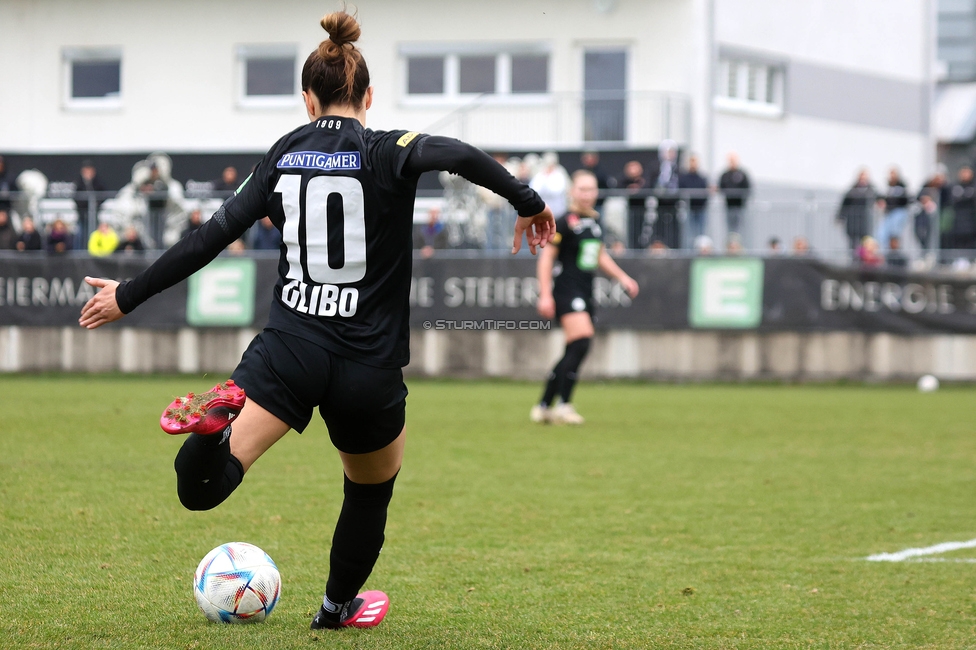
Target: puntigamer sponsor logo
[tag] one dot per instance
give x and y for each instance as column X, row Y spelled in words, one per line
column 343, row 160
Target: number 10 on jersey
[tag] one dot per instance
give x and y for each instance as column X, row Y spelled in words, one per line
column 334, row 205
column 325, row 238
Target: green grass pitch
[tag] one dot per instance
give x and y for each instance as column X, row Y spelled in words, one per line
column 677, row 517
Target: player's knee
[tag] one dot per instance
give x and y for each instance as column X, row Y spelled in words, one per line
column 198, row 490
column 377, row 495
column 576, row 351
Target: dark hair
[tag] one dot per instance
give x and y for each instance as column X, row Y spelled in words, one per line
column 336, row 71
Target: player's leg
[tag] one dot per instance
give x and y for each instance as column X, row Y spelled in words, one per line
column 365, row 413
column 282, row 377
column 539, row 411
column 210, row 467
column 578, row 326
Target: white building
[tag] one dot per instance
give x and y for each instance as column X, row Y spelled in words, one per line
column 805, row 92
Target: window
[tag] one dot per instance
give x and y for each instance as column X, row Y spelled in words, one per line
column 750, row 86
column 451, row 74
column 476, row 74
column 93, row 77
column 425, row 75
column 530, row 73
column 268, row 76
column 957, row 39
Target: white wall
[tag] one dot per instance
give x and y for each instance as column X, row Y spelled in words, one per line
column 809, row 152
column 883, row 37
column 179, row 76
column 886, row 39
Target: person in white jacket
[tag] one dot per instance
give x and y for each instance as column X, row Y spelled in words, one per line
column 552, row 184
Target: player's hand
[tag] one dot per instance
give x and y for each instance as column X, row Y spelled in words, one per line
column 546, row 307
column 630, row 286
column 539, row 230
column 103, row 307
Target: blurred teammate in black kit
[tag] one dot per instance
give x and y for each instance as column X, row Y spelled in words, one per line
column 578, row 247
column 342, row 197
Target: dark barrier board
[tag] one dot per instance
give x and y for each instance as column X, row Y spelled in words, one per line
column 773, row 294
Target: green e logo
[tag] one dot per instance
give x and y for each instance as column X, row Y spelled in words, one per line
column 222, row 294
column 726, row 293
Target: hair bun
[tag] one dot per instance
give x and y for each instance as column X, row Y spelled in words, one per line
column 342, row 28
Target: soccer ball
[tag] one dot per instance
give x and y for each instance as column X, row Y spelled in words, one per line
column 928, row 383
column 237, row 583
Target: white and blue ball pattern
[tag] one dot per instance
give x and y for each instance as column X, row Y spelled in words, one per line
column 237, row 583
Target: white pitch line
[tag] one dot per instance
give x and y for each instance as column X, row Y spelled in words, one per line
column 908, row 553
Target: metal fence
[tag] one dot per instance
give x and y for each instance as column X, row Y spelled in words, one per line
column 642, row 222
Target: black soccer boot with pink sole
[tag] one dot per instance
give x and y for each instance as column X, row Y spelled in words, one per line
column 365, row 610
column 207, row 413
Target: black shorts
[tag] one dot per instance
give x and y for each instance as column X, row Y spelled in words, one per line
column 568, row 303
column 363, row 406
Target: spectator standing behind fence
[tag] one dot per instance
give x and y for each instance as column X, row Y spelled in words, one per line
column 635, row 183
column 131, row 243
column 694, row 190
column 8, row 235
column 939, row 191
column 228, row 180
column 856, row 208
column 500, row 215
column 30, row 239
column 266, row 237
column 734, row 184
column 801, row 246
column 960, row 232
column 926, row 217
column 895, row 257
column 103, row 241
column 552, row 184
column 895, row 209
column 59, row 239
column 6, row 187
column 87, row 199
column 194, row 221
column 667, row 228
column 590, row 161
column 432, row 235
column 869, row 253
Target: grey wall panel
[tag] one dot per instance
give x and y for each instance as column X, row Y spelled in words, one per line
column 834, row 94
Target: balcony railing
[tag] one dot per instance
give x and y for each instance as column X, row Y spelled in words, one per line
column 570, row 121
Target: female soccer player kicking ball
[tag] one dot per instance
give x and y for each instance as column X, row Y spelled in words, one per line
column 338, row 335
column 578, row 247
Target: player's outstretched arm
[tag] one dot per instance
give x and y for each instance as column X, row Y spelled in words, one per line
column 188, row 256
column 103, row 308
column 438, row 153
column 608, row 266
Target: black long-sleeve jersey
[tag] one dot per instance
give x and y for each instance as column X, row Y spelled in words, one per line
column 342, row 197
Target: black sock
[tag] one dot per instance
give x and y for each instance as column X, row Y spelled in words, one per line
column 358, row 538
column 553, row 383
column 575, row 353
column 206, row 472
